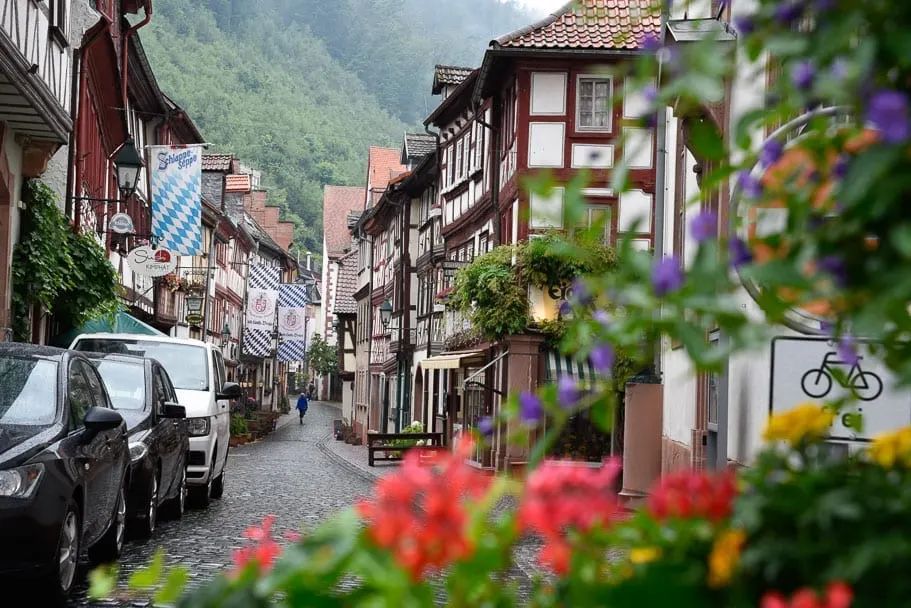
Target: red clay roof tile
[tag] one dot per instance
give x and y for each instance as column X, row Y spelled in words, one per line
column 590, row 24
column 338, row 202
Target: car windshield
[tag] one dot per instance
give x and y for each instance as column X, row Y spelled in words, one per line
column 125, row 383
column 185, row 363
column 28, row 391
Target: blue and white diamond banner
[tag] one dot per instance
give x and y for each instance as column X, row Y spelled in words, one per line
column 177, row 198
column 292, row 322
column 259, row 323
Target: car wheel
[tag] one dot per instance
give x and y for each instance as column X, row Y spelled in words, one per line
column 218, row 486
column 61, row 576
column 200, row 495
column 145, row 525
column 175, row 507
column 108, row 548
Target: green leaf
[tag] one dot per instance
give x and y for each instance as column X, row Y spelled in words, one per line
column 103, row 581
column 706, row 140
column 173, row 586
column 148, row 577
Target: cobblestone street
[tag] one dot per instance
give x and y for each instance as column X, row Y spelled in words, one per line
column 287, row 475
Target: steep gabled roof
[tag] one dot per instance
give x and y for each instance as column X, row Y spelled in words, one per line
column 346, row 286
column 417, row 146
column 338, row 203
column 456, row 99
column 217, row 162
column 451, row 75
column 382, row 165
column 589, row 25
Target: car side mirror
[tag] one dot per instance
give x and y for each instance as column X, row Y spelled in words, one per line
column 229, row 390
column 173, row 410
column 98, row 420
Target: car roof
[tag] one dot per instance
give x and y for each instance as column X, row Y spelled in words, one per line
column 19, row 349
column 141, row 338
column 132, row 359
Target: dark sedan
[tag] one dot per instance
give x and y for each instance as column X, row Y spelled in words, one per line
column 63, row 462
column 142, row 392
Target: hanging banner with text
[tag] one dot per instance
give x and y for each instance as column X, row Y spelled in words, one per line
column 259, row 322
column 177, row 198
column 292, row 322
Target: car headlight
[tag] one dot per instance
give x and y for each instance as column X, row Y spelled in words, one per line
column 197, row 427
column 138, row 450
column 22, row 481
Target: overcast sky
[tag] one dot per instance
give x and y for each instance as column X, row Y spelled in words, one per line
column 542, row 7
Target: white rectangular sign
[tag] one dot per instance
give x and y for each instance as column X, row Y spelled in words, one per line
column 802, row 371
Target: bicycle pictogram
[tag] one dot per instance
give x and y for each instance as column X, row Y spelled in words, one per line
column 816, row 383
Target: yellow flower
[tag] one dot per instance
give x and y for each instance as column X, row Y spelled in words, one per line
column 892, row 448
column 644, row 555
column 724, row 557
column 806, row 422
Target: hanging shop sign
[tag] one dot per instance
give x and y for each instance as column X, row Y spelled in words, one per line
column 121, row 223
column 148, row 262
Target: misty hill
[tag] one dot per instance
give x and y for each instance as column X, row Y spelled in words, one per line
column 301, row 88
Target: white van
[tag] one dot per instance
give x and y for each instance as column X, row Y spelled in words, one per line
column 197, row 371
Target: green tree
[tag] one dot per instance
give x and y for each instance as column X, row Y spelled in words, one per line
column 322, row 357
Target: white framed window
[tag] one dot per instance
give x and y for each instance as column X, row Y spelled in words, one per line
column 594, row 102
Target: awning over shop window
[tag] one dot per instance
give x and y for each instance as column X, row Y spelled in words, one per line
column 561, row 365
column 452, row 360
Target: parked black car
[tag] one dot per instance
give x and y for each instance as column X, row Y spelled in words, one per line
column 142, row 392
column 63, row 462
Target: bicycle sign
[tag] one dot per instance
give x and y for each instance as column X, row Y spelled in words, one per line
column 810, row 369
column 817, row 383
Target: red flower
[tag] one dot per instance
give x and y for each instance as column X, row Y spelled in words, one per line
column 265, row 550
column 691, row 494
column 419, row 512
column 560, row 496
column 838, row 595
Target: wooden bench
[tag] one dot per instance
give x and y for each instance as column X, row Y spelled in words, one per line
column 376, row 442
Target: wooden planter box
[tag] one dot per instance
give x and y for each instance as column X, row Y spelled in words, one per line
column 237, row 440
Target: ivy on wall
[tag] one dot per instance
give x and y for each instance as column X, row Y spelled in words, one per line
column 67, row 274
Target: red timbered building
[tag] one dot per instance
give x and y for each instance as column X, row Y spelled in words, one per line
column 544, row 99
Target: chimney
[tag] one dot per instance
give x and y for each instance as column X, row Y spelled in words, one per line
column 308, row 261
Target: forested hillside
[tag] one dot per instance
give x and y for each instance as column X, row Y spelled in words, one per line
column 301, row 88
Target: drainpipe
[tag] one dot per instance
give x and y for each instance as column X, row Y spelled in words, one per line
column 660, row 187
column 369, row 324
column 432, row 240
column 124, row 54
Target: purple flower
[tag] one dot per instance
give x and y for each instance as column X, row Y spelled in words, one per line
column 531, row 410
column 826, row 327
column 771, row 152
column 739, row 252
column 485, row 426
column 565, row 309
column 749, row 185
column 825, row 5
column 650, row 43
column 602, row 358
column 847, row 350
column 704, row 226
column 839, row 69
column 581, row 294
column 803, row 74
column 567, row 392
column 788, row 11
column 745, row 24
column 667, row 276
column 834, row 266
column 887, row 110
column 840, row 168
column 602, row 317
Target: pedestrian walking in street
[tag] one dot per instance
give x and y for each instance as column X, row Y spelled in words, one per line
column 310, row 389
column 302, row 404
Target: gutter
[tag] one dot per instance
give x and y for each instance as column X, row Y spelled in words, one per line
column 660, row 179
column 124, row 55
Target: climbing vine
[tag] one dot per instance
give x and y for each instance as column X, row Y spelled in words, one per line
column 66, row 273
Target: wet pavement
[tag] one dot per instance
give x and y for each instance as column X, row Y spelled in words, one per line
column 289, row 474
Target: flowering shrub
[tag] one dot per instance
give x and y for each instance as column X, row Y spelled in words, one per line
column 802, row 525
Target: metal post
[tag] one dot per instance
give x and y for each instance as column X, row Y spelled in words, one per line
column 209, row 271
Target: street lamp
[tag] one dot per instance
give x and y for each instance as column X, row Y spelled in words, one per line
column 194, row 303
column 129, row 165
column 225, row 334
column 385, row 313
